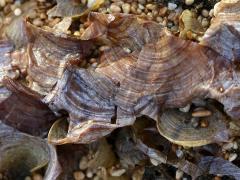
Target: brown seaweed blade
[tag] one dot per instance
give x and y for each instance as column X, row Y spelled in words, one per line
column 224, row 33
column 21, row 154
column 127, row 31
column 24, row 110
column 81, row 94
column 166, row 74
column 174, row 126
column 49, row 53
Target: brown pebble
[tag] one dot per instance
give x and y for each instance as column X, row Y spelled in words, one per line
column 37, row 177
column 204, row 123
column 78, row 175
column 217, row 178
column 43, row 16
column 163, row 11
column 201, row 113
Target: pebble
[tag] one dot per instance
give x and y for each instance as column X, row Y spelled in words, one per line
column 227, row 146
column 205, row 22
column 26, row 178
column 117, row 172
column 186, row 108
column 179, row 153
column 89, row 173
column 232, row 157
column 211, row 13
column 172, row 6
column 43, row 16
column 37, row 177
column 217, row 178
column 205, row 13
column 126, row 8
column 76, row 33
column 201, row 113
column 235, row 145
column 2, row 3
column 38, row 22
column 154, row 162
column 179, row 174
column 78, row 175
column 142, row 1
column 17, row 12
column 83, row 164
column 115, row 9
column 151, row 6
column 189, row 2
column 163, row 11
column 204, row 123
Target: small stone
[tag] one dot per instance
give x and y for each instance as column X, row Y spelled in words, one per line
column 140, row 6
column 126, row 8
column 159, row 19
column 217, row 178
column 43, row 16
column 179, row 174
column 37, row 22
column 17, row 12
column 205, row 13
column 232, row 157
column 83, row 164
column 2, row 3
column 235, row 145
column 211, row 12
column 115, row 9
column 179, row 153
column 89, row 173
column 163, row 11
column 204, row 123
column 94, row 65
column 205, row 22
column 26, row 178
column 189, row 2
column 201, row 113
column 226, row 155
column 227, row 146
column 76, row 33
column 186, row 108
column 151, row 6
column 172, row 6
column 117, row 172
column 154, row 162
column 37, row 177
column 78, row 175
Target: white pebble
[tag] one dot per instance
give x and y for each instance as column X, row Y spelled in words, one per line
column 227, row 146
column 235, row 145
column 17, row 12
column 115, row 9
column 2, row 3
column 189, row 2
column 179, row 153
column 83, row 163
column 154, row 162
column 205, row 13
column 117, row 172
column 172, row 6
column 232, row 157
column 89, row 173
column 179, row 174
column 126, row 8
